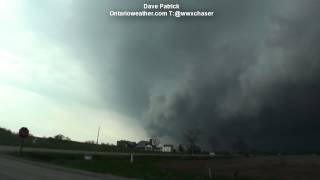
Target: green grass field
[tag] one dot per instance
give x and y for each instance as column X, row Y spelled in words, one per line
column 143, row 167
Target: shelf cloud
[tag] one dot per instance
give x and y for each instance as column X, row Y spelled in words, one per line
column 250, row 73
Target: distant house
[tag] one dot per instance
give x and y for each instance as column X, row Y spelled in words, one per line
column 167, row 148
column 148, row 147
column 145, row 145
column 157, row 148
column 142, row 144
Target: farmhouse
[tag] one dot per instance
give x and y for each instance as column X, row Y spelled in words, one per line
column 143, row 145
column 167, row 148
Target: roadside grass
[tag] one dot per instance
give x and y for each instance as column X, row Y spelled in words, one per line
column 144, row 167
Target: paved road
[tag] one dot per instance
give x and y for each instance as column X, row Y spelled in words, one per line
column 16, row 169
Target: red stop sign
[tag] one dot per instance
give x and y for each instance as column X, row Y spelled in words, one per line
column 24, row 132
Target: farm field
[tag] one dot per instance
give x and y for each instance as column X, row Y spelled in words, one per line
column 304, row 167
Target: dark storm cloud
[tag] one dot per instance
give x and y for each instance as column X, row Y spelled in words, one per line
column 265, row 95
column 249, row 73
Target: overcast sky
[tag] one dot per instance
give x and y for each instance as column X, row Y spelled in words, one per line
column 250, row 73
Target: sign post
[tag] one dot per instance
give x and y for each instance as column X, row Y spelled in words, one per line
column 23, row 133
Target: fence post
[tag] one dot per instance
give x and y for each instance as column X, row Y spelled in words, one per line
column 131, row 158
column 210, row 173
column 235, row 174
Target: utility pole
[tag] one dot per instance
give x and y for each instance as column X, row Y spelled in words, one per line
column 98, row 135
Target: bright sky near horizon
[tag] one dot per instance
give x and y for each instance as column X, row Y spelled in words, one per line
column 46, row 88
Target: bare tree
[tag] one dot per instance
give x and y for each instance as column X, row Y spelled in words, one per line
column 192, row 137
column 214, row 143
column 155, row 141
column 61, row 137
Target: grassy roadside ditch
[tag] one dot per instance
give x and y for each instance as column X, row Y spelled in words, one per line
column 143, row 167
